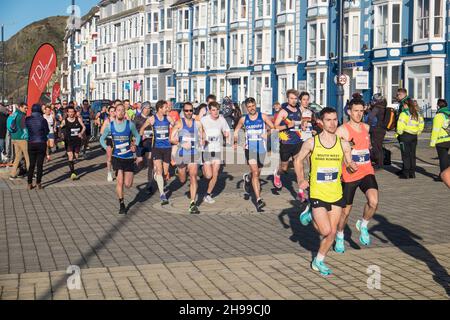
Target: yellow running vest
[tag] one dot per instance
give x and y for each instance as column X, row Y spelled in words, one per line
column 326, row 170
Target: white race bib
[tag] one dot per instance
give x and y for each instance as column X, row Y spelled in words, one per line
column 361, row 156
column 327, row 175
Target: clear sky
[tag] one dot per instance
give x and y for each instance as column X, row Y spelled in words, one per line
column 16, row 14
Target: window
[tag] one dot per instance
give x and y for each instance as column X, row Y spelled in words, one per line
column 222, row 53
column 154, row 55
column 179, row 56
column 196, row 16
column 428, row 19
column 114, row 62
column 104, row 64
column 259, row 47
column 263, row 8
column 136, row 27
column 149, row 22
column 395, row 85
column 154, row 88
column 162, row 15
column 186, row 20
column 195, row 55
column 162, row 55
column 316, row 83
column 185, row 57
column 243, row 9
column 281, row 45
column 169, row 18
column 168, row 52
column 148, row 55
column 317, row 40
column 214, row 53
column 142, row 26
column 289, row 44
column 387, row 24
column 202, row 54
column 142, row 57
column 234, row 50
column 243, row 49
column 351, row 34
column 223, row 11
column 381, row 80
column 155, row 22
column 214, row 11
column 312, row 40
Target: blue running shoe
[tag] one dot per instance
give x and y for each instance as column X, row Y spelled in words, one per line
column 339, row 246
column 364, row 238
column 306, row 216
column 321, row 267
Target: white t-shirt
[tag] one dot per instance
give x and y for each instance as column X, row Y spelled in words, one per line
column 214, row 130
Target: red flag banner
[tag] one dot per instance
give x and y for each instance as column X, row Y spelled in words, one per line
column 41, row 71
column 56, row 92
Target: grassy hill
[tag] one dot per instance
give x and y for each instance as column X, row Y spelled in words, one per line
column 20, row 50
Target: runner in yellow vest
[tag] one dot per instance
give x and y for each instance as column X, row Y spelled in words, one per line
column 326, row 197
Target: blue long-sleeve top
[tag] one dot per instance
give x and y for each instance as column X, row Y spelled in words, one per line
column 120, row 127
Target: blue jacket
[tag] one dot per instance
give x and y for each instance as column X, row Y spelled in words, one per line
column 37, row 127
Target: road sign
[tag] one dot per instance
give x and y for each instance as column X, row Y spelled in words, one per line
column 342, row 79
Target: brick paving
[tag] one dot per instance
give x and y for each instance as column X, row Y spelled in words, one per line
column 227, row 252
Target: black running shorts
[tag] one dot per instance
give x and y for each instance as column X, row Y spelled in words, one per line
column 126, row 165
column 316, row 203
column 164, row 154
column 288, row 151
column 366, row 183
column 259, row 157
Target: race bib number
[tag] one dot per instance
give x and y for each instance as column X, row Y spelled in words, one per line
column 361, row 156
column 74, row 132
column 123, row 148
column 327, row 175
column 254, row 135
column 297, row 125
column 148, row 133
column 162, row 134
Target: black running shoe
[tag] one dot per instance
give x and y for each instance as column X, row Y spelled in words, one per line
column 193, row 209
column 122, row 210
column 246, row 178
column 260, row 204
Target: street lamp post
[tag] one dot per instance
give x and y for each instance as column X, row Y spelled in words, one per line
column 340, row 49
column 3, row 63
column 72, row 53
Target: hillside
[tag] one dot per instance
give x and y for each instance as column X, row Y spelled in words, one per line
column 20, row 50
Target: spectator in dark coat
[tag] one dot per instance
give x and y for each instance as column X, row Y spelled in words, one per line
column 377, row 131
column 37, row 144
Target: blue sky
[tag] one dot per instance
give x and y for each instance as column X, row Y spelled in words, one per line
column 16, row 14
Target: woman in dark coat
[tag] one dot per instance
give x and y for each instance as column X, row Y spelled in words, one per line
column 38, row 130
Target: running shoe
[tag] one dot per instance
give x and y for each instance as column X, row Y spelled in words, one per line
column 246, row 178
column 73, row 176
column 364, row 237
column 122, row 209
column 339, row 246
column 306, row 216
column 110, row 177
column 321, row 267
column 209, row 199
column 163, row 199
column 12, row 178
column 277, row 180
column 193, row 209
column 260, row 204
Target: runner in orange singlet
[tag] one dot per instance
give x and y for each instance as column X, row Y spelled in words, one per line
column 357, row 134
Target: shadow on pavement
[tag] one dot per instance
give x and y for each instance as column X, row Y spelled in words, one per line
column 306, row 237
column 407, row 241
column 141, row 197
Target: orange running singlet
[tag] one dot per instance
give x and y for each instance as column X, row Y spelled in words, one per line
column 360, row 154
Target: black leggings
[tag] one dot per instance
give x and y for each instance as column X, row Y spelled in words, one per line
column 37, row 153
column 442, row 151
column 408, row 146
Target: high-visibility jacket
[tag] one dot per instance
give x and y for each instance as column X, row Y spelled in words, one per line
column 409, row 125
column 441, row 129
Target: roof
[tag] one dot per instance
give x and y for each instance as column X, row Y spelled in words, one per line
column 181, row 2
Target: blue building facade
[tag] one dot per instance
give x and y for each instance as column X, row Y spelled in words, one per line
column 261, row 48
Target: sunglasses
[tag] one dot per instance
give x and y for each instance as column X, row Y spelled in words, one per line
column 188, row 110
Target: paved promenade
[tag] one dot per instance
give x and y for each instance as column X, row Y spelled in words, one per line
column 229, row 251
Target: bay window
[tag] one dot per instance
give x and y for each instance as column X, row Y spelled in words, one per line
column 429, row 18
column 387, row 24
